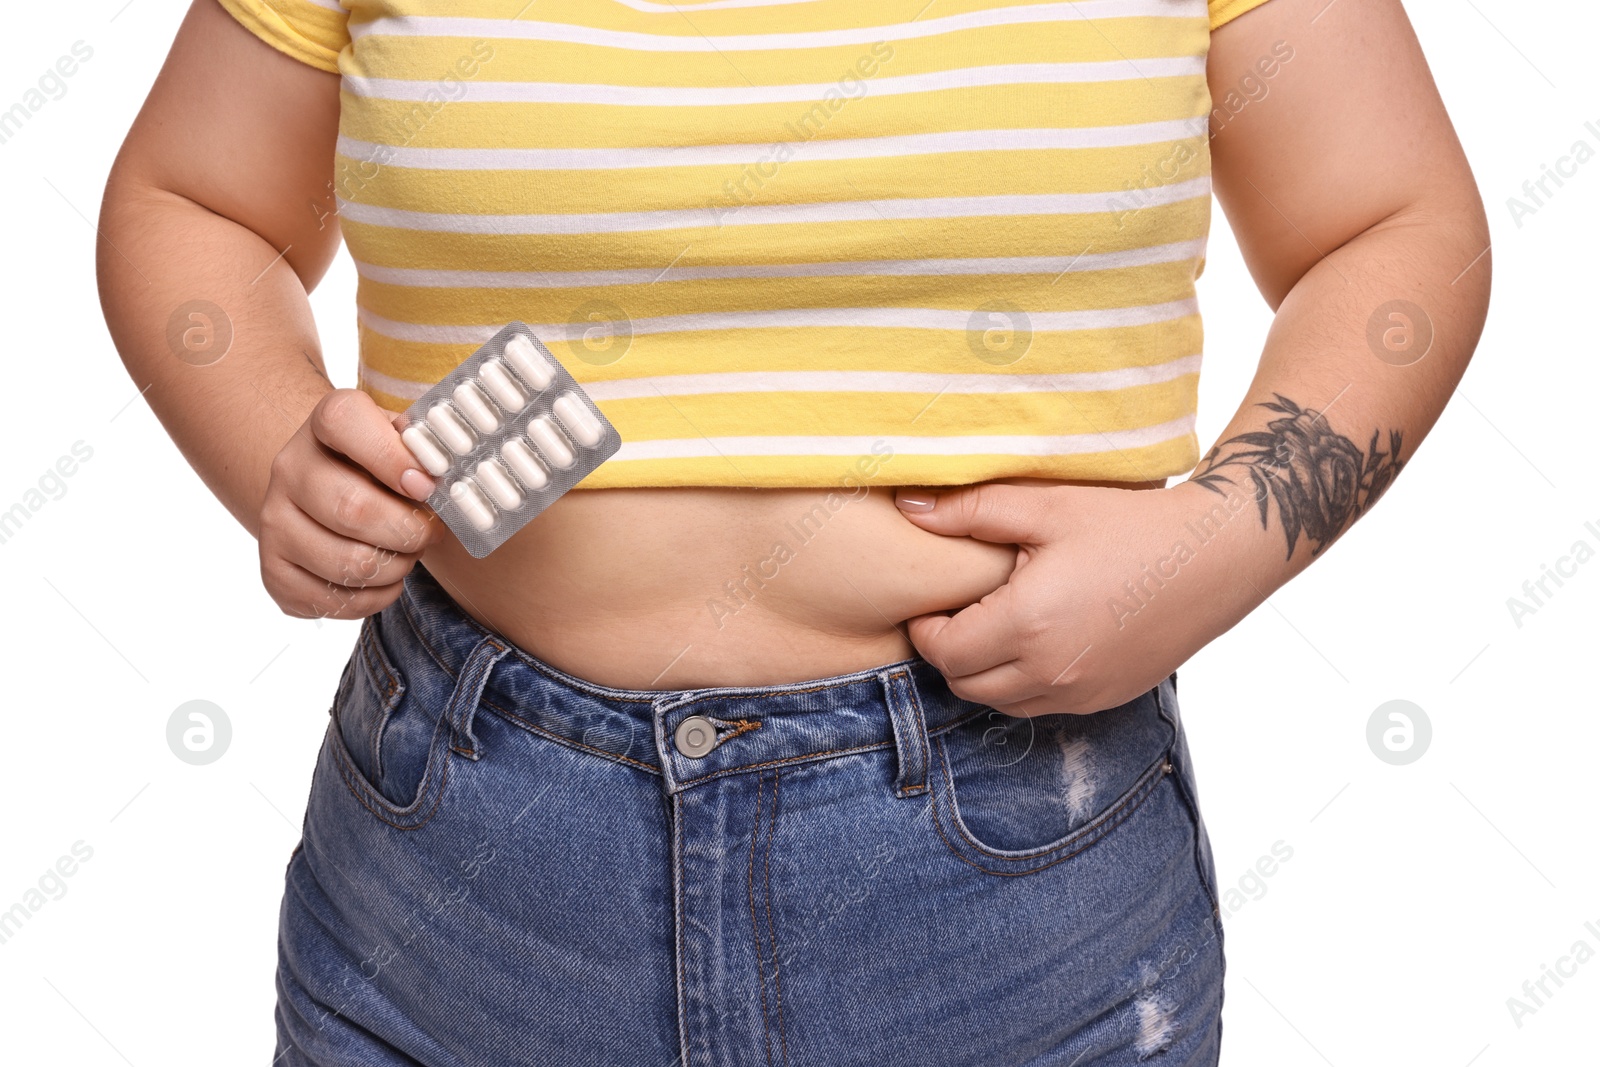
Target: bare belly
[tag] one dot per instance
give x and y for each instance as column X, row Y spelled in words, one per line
column 675, row 588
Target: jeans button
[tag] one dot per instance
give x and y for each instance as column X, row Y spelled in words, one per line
column 695, row 736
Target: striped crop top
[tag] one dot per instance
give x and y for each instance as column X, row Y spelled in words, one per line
column 780, row 240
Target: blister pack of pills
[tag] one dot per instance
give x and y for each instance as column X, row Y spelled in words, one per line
column 504, row 435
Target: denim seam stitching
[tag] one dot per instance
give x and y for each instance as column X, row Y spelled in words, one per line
column 376, row 656
column 433, row 782
column 1087, row 835
column 1193, row 806
column 410, row 615
column 742, row 768
column 408, row 610
column 960, row 720
column 373, row 655
column 535, row 728
column 916, row 721
column 422, row 638
column 875, row 746
column 574, row 682
column 1045, row 850
column 700, row 694
column 755, row 927
column 677, row 926
column 1100, row 836
column 772, row 929
column 406, row 607
column 478, row 683
column 775, row 691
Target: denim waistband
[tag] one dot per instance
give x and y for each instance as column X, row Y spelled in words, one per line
column 426, row 642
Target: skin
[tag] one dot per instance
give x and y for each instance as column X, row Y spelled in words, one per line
column 1347, row 188
column 1345, row 185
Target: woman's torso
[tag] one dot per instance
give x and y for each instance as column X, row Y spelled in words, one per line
column 685, row 587
column 776, row 242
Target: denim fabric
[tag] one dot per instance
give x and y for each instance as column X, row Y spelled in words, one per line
column 503, row 864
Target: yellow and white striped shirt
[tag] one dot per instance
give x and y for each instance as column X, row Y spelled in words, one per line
column 771, row 237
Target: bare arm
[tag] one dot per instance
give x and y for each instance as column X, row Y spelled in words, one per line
column 1360, row 221
column 1359, row 218
column 212, row 183
column 221, row 194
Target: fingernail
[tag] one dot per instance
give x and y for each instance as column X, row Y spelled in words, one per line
column 919, row 500
column 417, row 485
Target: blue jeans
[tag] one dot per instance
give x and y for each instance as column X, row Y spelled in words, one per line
column 503, row 864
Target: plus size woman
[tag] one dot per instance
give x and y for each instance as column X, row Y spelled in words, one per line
column 833, row 720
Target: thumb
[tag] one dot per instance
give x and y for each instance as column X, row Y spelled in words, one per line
column 1006, row 514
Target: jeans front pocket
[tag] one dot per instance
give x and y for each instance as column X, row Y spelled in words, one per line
column 390, row 748
column 1014, row 795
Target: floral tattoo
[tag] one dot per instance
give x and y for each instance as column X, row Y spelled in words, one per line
column 1320, row 480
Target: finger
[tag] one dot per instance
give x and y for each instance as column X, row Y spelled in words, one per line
column 304, row 595
column 347, row 501
column 350, row 423
column 1008, row 688
column 977, row 637
column 1007, row 514
column 1047, row 704
column 338, row 559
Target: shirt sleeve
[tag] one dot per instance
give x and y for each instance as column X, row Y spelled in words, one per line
column 1227, row 10
column 312, row 31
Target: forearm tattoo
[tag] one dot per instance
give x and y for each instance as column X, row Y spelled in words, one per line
column 1320, row 480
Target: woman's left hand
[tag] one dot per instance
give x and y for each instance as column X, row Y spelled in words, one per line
column 1113, row 589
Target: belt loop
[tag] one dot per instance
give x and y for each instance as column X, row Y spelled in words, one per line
column 469, row 691
column 910, row 732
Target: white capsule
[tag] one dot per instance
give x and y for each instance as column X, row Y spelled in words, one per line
column 476, row 407
column 426, row 448
column 578, row 419
column 550, row 442
column 521, row 459
column 504, row 388
column 498, row 484
column 448, row 427
column 528, row 362
column 469, row 498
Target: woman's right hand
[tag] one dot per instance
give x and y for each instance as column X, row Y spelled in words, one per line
column 341, row 524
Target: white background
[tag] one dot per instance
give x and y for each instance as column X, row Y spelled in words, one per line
column 1417, row 900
